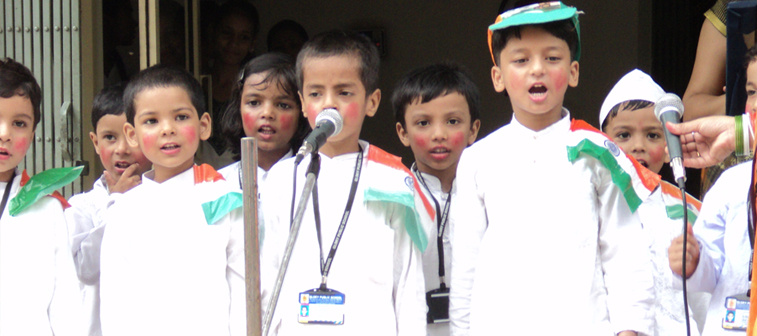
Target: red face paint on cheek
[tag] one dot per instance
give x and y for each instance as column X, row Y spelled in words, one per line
column 249, row 123
column 560, row 78
column 105, row 155
column 21, row 145
column 286, row 122
column 148, row 141
column 351, row 112
column 312, row 114
column 457, row 139
column 657, row 153
column 190, row 133
column 420, row 141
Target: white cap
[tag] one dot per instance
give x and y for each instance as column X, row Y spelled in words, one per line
column 635, row 85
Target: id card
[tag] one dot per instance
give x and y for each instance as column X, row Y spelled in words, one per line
column 437, row 301
column 736, row 313
column 322, row 307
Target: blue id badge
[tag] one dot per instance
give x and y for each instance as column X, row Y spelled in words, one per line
column 736, row 313
column 321, row 306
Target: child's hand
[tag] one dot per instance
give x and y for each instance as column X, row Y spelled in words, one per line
column 675, row 253
column 127, row 180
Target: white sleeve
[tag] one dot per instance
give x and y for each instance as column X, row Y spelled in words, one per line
column 626, row 261
column 409, row 284
column 468, row 223
column 88, row 256
column 235, row 274
column 709, row 231
column 66, row 309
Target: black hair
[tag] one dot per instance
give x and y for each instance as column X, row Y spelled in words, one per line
column 629, row 105
column 239, row 7
column 432, row 81
column 284, row 25
column 110, row 101
column 562, row 29
column 343, row 42
column 17, row 80
column 163, row 76
column 279, row 70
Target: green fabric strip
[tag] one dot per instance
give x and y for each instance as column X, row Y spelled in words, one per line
column 620, row 177
column 676, row 212
column 41, row 185
column 215, row 210
column 412, row 220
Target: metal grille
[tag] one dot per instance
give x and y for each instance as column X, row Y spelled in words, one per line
column 44, row 35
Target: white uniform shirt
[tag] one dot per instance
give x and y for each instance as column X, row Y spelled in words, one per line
column 233, row 172
column 543, row 244
column 80, row 220
column 722, row 233
column 39, row 292
column 668, row 307
column 431, row 255
column 376, row 266
column 164, row 269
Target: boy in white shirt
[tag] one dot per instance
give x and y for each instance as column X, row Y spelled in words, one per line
column 39, row 294
column 627, row 116
column 172, row 256
column 545, row 236
column 375, row 284
column 437, row 111
column 124, row 166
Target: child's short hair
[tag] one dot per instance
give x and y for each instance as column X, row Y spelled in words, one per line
column 17, row 80
column 343, row 42
column 563, row 29
column 162, row 76
column 110, row 101
column 279, row 70
column 430, row 82
column 630, row 105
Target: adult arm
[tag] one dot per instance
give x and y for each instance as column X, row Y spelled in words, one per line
column 706, row 141
column 704, row 95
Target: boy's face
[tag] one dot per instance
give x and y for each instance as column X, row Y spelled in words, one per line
column 115, row 153
column 16, row 133
column 167, row 129
column 536, row 70
column 640, row 135
column 751, row 87
column 334, row 82
column 269, row 114
column 437, row 132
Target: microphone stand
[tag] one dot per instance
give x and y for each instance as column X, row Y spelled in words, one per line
column 312, row 176
column 251, row 242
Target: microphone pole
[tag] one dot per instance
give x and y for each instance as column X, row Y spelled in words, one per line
column 312, row 176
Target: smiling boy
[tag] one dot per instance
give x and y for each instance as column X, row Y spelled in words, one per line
column 172, row 259
column 367, row 208
column 540, row 221
column 437, row 111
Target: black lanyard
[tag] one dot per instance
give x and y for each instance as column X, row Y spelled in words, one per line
column 751, row 214
column 441, row 224
column 326, row 265
column 7, row 193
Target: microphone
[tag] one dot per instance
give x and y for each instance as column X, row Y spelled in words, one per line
column 327, row 124
column 669, row 108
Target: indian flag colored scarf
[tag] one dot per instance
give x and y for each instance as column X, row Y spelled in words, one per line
column 635, row 182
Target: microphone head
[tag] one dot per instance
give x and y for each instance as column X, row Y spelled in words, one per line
column 333, row 116
column 668, row 102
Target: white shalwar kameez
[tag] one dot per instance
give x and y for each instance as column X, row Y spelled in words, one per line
column 546, row 245
column 377, row 265
column 661, row 227
column 172, row 258
column 39, row 292
column 431, row 255
column 722, row 233
column 80, row 218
